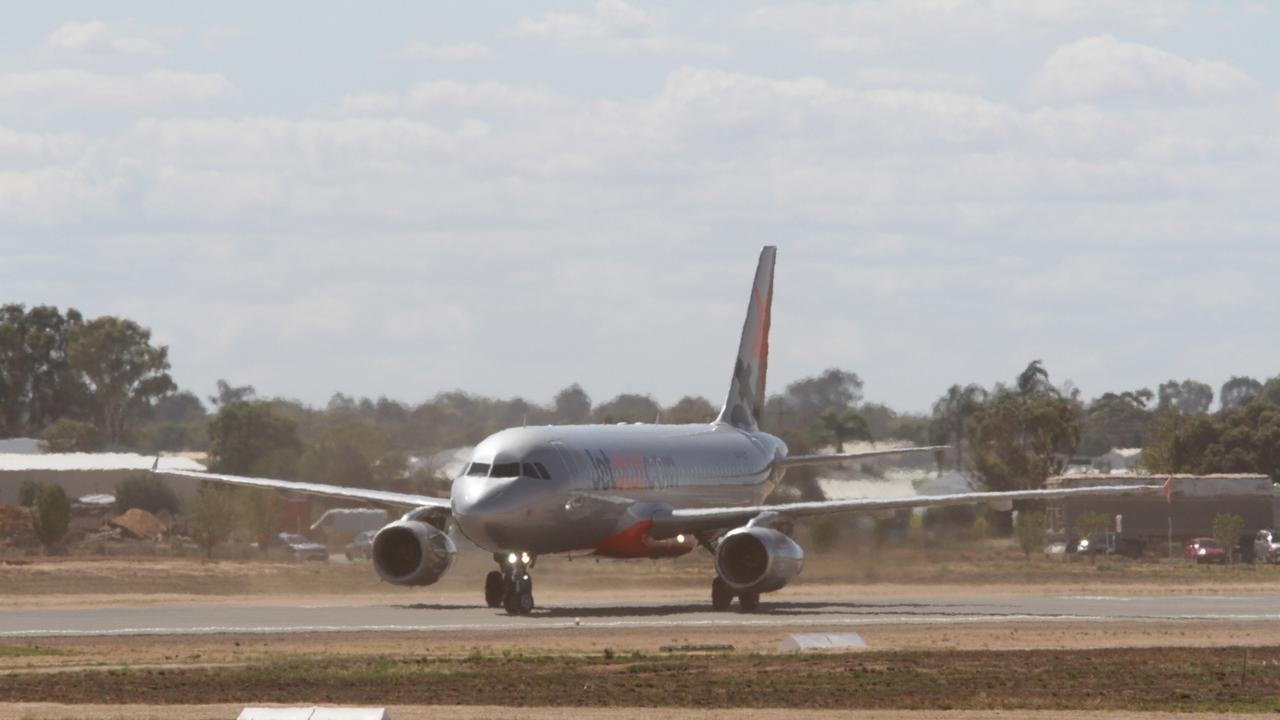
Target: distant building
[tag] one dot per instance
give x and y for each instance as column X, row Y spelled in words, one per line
column 1118, row 460
column 1194, row 502
column 87, row 473
column 19, row 446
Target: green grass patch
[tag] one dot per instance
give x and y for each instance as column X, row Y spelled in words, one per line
column 29, row 651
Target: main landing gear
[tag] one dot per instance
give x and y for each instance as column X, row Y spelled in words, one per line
column 511, row 587
column 722, row 597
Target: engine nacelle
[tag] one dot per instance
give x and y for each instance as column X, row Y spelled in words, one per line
column 411, row 552
column 758, row 559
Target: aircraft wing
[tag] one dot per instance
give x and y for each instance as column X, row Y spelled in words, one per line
column 799, row 460
column 334, row 491
column 674, row 522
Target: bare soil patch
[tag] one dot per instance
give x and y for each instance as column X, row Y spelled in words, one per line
column 986, row 568
column 1167, row 679
column 57, row 711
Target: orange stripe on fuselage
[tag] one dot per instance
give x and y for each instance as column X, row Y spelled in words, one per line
column 634, row 542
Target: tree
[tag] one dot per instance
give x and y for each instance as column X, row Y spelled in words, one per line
column 951, row 414
column 27, row 492
column 1239, row 391
column 229, row 394
column 37, row 383
column 180, row 407
column 572, row 406
column 628, row 408
column 51, row 515
column 1033, row 381
column 1227, row 528
column 212, row 516
column 262, row 511
column 1116, row 421
column 121, row 367
column 145, row 492
column 1015, row 441
column 1029, row 529
column 252, row 439
column 690, row 410
column 1092, row 523
column 335, row 462
column 840, row 427
column 1189, row 397
column 70, row 436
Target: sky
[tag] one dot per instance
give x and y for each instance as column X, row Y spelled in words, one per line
column 405, row 198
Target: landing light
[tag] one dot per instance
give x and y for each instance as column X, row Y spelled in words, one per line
column 512, row 558
column 524, row 558
column 680, row 539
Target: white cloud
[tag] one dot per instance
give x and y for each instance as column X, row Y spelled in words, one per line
column 97, row 38
column 1104, row 68
column 880, row 26
column 459, row 52
column 614, row 27
column 455, row 95
column 42, row 92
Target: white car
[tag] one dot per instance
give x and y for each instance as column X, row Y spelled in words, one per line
column 1266, row 546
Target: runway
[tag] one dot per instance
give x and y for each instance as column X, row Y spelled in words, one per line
column 196, row 620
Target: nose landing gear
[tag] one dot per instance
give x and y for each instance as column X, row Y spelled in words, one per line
column 512, row 586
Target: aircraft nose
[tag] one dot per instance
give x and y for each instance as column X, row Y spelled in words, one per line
column 490, row 511
column 483, row 496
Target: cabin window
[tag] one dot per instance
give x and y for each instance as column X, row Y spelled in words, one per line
column 478, row 469
column 505, row 470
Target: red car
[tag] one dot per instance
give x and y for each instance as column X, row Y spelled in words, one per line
column 1205, row 550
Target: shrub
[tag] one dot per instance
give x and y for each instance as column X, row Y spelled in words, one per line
column 52, row 515
column 1029, row 529
column 67, row 435
column 27, row 492
column 1226, row 530
column 146, row 492
column 212, row 516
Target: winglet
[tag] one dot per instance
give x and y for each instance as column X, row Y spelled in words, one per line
column 1168, row 487
column 155, row 465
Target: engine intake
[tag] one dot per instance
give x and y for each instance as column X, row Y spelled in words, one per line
column 411, row 552
column 758, row 559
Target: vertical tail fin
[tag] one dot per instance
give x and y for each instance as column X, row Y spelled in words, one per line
column 745, row 403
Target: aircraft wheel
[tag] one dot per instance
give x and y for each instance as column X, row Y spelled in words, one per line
column 494, row 589
column 749, row 601
column 519, row 602
column 721, row 594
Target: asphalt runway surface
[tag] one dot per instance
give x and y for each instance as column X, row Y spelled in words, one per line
column 196, row 620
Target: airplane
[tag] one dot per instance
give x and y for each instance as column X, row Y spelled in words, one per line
column 632, row 491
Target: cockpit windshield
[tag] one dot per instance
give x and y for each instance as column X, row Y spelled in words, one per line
column 505, row 470
column 534, row 470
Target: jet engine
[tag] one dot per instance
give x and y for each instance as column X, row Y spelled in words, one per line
column 412, row 552
column 758, row 559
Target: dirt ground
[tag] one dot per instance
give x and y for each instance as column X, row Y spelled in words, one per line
column 991, row 569
column 227, row 711
column 1165, row 678
column 980, row 657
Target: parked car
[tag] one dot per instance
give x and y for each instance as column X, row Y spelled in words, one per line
column 1109, row 543
column 361, row 546
column 1266, row 546
column 1205, row 550
column 302, row 548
